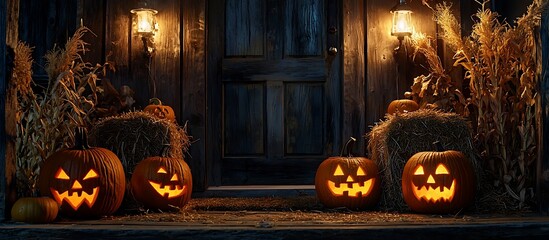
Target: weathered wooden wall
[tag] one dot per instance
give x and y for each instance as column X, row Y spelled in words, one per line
column 354, row 92
column 543, row 131
column 193, row 86
column 3, row 83
column 389, row 73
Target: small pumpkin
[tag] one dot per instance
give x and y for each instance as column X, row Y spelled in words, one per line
column 351, row 182
column 402, row 105
column 87, row 182
column 438, row 181
column 156, row 108
column 162, row 182
column 34, row 210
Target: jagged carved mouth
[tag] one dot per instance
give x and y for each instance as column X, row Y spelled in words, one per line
column 76, row 198
column 168, row 191
column 435, row 194
column 353, row 189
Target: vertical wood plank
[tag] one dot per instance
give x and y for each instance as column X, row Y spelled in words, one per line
column 91, row 13
column 167, row 61
column 543, row 134
column 303, row 120
column 116, row 38
column 3, row 84
column 193, row 87
column 10, row 109
column 245, row 27
column 381, row 68
column 274, row 37
column 12, row 29
column 244, row 128
column 334, row 86
column 304, row 36
column 354, row 105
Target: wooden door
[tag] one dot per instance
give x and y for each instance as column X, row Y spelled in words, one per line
column 274, row 90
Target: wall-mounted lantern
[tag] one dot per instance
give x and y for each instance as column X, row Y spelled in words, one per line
column 144, row 24
column 402, row 21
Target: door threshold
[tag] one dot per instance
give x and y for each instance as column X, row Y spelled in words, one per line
column 257, row 191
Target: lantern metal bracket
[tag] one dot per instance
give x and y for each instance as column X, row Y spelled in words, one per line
column 148, row 45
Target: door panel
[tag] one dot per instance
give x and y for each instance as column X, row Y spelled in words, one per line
column 304, row 28
column 276, row 90
column 244, row 116
column 303, row 122
column 244, row 23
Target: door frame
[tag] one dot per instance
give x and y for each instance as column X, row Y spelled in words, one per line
column 198, row 65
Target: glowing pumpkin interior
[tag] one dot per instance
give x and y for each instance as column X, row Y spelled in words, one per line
column 173, row 188
column 353, row 187
column 77, row 194
column 436, row 187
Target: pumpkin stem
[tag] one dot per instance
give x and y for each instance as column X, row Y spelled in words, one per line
column 348, row 147
column 81, row 139
column 155, row 101
column 439, row 146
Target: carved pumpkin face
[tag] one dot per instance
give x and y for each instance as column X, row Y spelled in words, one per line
column 438, row 182
column 354, row 185
column 169, row 189
column 433, row 186
column 402, row 106
column 86, row 182
column 162, row 183
column 156, row 108
column 351, row 182
column 77, row 194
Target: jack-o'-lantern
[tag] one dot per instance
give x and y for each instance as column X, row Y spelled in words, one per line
column 402, row 106
column 162, row 182
column 87, row 182
column 438, row 181
column 351, row 182
column 156, row 108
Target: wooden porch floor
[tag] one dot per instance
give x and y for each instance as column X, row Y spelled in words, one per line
column 281, row 212
column 489, row 228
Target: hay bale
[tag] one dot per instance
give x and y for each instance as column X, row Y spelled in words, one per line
column 393, row 141
column 134, row 136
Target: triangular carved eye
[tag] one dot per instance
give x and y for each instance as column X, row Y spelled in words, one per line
column 360, row 172
column 60, row 174
column 419, row 171
column 174, row 178
column 162, row 170
column 338, row 171
column 91, row 174
column 441, row 169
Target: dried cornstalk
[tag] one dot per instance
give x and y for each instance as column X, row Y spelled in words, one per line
column 502, row 67
column 437, row 89
column 47, row 119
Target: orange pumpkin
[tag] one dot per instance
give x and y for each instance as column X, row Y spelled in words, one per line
column 87, row 182
column 162, row 182
column 402, row 105
column 351, row 182
column 156, row 108
column 438, row 181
